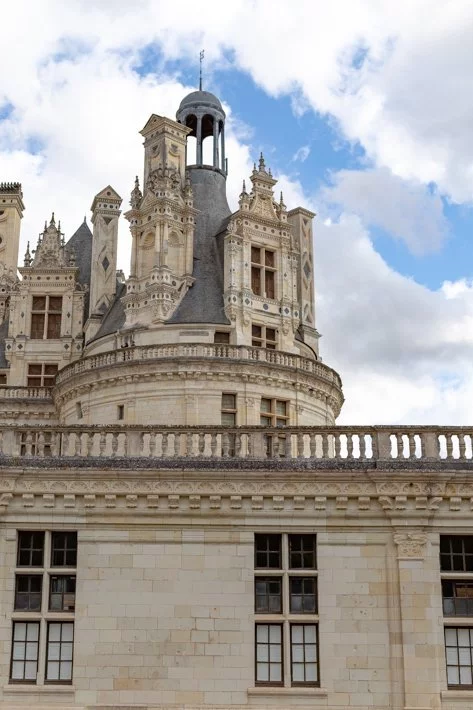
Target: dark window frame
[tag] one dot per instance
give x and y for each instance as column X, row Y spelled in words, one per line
column 267, row 595
column 268, row 551
column 463, row 686
column 65, row 550
column 304, row 595
column 32, row 549
column 59, row 681
column 451, row 555
column 305, row 683
column 302, row 552
column 62, row 593
column 16, row 622
column 28, row 593
column 272, row 683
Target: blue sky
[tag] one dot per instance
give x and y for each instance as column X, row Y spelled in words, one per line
column 363, row 112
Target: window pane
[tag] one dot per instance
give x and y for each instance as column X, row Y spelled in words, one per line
column 50, row 370
column 28, row 593
column 270, row 334
column 268, row 596
column 255, row 255
column 34, row 369
column 25, row 652
column 37, row 326
column 30, row 549
column 302, row 552
column 54, row 326
column 64, row 549
column 269, row 258
column 268, row 551
column 228, row 401
column 269, row 284
column 265, row 405
column 55, row 303
column 53, row 670
column 458, row 643
column 39, row 303
column 228, row 419
column 256, row 280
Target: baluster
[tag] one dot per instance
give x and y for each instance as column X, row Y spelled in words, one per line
column 238, row 447
column 40, row 444
column 55, row 438
column 142, row 443
column 189, row 444
column 102, row 443
column 300, row 445
column 225, row 445
column 374, row 447
column 29, row 444
column 462, row 446
column 152, row 444
column 201, row 443
column 312, row 444
column 124, row 436
column 412, row 445
column 65, row 443
column 177, row 443
column 213, row 444
column 400, row 446
column 77, row 443
column 275, row 446
column 337, row 445
column 362, row 445
column 114, row 443
column 449, row 443
column 89, row 444
column 350, row 446
column 325, row 445
column 165, row 444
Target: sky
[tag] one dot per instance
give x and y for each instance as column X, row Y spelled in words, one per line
column 364, row 112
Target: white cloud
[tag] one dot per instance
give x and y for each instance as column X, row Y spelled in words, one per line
column 301, row 154
column 404, row 352
column 406, row 210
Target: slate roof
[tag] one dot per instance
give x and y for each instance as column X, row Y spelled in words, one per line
column 3, row 335
column 114, row 318
column 203, row 303
column 81, row 243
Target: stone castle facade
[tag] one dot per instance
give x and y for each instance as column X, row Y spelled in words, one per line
column 183, row 524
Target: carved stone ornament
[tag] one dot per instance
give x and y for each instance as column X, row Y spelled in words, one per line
column 411, row 545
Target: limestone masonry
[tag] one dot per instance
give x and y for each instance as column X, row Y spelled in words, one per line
column 183, row 524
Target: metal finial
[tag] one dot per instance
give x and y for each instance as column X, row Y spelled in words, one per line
column 137, row 182
column 261, row 162
column 52, row 219
column 201, row 59
column 244, row 186
column 59, row 226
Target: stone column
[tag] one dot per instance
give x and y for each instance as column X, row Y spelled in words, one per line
column 215, row 137
column 222, row 140
column 421, row 620
column 199, row 140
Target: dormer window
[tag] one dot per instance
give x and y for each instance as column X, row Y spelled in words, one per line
column 46, row 316
column 263, row 269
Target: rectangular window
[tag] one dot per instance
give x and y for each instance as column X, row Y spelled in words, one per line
column 46, row 314
column 263, row 270
column 268, row 595
column 222, row 337
column 267, row 551
column 273, row 412
column 263, row 337
column 458, row 649
column 286, row 596
column 63, row 549
column 303, row 595
column 25, row 650
column 229, row 409
column 30, row 549
column 121, row 412
column 269, row 663
column 43, row 634
column 457, row 595
column 62, row 593
column 28, row 589
column 59, row 652
column 41, row 374
column 304, row 663
column 456, row 553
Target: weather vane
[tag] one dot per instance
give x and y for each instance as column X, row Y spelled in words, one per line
column 201, row 59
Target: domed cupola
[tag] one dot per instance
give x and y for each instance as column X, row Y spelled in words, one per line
column 202, row 112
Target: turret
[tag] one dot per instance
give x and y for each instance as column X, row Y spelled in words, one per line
column 105, row 213
column 11, row 212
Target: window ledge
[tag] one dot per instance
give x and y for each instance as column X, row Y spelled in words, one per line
column 278, row 690
column 32, row 689
column 466, row 694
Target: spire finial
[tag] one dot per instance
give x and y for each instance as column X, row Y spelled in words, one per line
column 201, row 59
column 85, row 219
column 244, row 186
column 52, row 220
column 261, row 162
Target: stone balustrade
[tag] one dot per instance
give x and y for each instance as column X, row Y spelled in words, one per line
column 25, row 393
column 198, row 351
column 362, row 444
